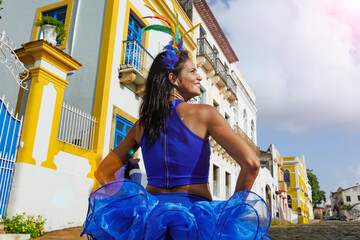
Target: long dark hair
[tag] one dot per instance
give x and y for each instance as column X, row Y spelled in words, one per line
column 155, row 104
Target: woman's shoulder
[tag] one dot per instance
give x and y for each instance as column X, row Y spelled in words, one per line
column 199, row 111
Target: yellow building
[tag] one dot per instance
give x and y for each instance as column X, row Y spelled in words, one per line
column 299, row 190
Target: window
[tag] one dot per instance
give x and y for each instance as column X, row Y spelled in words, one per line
column 245, row 121
column 227, row 118
column 215, row 180
column 358, row 197
column 122, row 127
column 58, row 14
column 289, row 201
column 134, row 30
column 199, row 99
column 287, row 177
column 227, row 185
column 348, row 198
column 133, row 45
column 252, row 130
column 216, row 105
column 202, row 96
column 121, row 122
column 62, row 11
column 202, row 32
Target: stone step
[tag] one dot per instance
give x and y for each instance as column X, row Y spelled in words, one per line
column 14, row 236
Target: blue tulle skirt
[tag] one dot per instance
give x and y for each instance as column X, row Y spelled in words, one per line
column 125, row 210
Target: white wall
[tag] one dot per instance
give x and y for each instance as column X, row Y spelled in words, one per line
column 59, row 195
column 353, row 193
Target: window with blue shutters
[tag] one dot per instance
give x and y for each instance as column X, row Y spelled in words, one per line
column 134, row 30
column 133, row 48
column 59, row 14
column 122, row 127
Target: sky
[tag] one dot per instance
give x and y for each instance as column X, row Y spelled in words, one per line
column 302, row 60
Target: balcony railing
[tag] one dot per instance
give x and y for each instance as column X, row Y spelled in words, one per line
column 231, row 84
column 137, row 57
column 220, row 69
column 207, row 58
column 135, row 65
column 205, row 49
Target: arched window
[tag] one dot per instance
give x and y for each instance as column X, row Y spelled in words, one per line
column 245, row 121
column 268, row 197
column 252, row 131
column 287, row 177
column 289, row 201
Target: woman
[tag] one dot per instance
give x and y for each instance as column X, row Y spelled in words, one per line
column 174, row 137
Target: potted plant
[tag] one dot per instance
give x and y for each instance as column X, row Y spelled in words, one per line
column 53, row 29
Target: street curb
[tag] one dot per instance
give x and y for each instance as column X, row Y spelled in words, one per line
column 14, row 236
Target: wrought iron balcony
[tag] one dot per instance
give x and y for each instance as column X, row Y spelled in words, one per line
column 135, row 65
column 205, row 54
column 220, row 70
column 232, row 88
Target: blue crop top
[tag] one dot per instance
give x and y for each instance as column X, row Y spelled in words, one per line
column 178, row 157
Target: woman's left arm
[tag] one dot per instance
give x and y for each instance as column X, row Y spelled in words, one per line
column 237, row 148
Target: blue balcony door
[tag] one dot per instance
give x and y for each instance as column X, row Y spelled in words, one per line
column 132, row 55
column 59, row 14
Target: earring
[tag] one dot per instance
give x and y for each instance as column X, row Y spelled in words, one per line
column 176, row 85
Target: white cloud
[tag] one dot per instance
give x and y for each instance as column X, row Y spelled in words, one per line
column 302, row 59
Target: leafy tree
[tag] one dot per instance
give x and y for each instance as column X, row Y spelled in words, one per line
column 317, row 195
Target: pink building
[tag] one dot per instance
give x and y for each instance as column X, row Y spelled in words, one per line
column 276, row 195
column 283, row 197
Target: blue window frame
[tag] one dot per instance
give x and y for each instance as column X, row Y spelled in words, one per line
column 287, row 177
column 122, row 127
column 134, row 30
column 59, row 14
column 133, row 52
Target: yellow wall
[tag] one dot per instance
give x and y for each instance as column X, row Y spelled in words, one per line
column 296, row 175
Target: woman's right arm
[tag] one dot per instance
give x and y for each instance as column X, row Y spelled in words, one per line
column 119, row 156
column 236, row 147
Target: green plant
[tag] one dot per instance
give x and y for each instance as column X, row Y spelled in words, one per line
column 274, row 222
column 59, row 26
column 25, row 224
column 348, row 207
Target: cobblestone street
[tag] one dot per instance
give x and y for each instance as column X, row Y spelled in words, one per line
column 330, row 230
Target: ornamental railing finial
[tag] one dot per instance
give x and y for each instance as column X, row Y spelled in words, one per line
column 11, row 61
